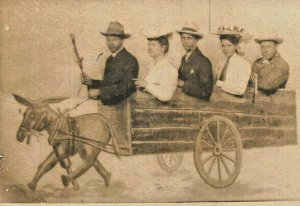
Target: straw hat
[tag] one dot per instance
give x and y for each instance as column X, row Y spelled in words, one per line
column 190, row 28
column 269, row 37
column 242, row 34
column 115, row 29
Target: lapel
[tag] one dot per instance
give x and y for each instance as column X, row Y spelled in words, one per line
column 187, row 67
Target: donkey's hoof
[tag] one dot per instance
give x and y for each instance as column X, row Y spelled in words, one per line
column 65, row 180
column 31, row 186
column 107, row 179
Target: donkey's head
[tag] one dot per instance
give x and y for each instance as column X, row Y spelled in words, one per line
column 36, row 117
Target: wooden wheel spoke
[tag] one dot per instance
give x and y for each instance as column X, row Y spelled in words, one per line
column 229, row 149
column 206, row 143
column 173, row 157
column 229, row 158
column 227, row 141
column 223, row 136
column 219, row 168
column 218, row 131
column 208, row 158
column 210, row 135
column 211, row 166
column 225, row 166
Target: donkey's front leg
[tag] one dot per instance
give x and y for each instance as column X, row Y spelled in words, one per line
column 89, row 155
column 43, row 168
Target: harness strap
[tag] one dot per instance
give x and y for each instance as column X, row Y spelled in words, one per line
column 56, row 127
column 73, row 131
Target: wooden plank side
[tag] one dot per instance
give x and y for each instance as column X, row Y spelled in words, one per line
column 246, row 108
column 169, row 137
column 164, row 134
column 145, row 118
column 281, row 103
column 155, row 148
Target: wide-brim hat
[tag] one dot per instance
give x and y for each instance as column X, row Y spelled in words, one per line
column 190, row 28
column 116, row 29
column 274, row 38
column 155, row 34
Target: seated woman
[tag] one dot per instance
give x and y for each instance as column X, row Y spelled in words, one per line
column 235, row 74
column 161, row 81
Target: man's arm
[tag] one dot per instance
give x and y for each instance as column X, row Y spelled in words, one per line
column 205, row 79
column 180, row 73
column 124, row 85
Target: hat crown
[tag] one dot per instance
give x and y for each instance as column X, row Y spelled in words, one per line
column 158, row 32
column 270, row 36
column 190, row 26
column 115, row 28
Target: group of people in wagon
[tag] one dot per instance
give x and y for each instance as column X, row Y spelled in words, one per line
column 195, row 75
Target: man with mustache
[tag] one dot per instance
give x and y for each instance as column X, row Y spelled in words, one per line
column 120, row 68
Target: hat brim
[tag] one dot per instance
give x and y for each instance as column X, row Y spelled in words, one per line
column 200, row 35
column 227, row 33
column 277, row 40
column 124, row 36
column 167, row 35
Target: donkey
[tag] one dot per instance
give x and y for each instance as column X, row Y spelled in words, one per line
column 40, row 116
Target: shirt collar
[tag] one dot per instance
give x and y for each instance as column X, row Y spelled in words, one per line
column 117, row 52
column 187, row 55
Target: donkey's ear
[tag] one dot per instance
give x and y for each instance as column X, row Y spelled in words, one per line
column 22, row 100
column 53, row 100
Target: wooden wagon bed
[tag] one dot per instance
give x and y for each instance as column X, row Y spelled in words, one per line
column 150, row 126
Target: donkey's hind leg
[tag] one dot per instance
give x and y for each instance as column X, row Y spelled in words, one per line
column 89, row 155
column 102, row 171
column 43, row 168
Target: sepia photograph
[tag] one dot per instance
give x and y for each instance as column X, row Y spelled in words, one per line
column 150, row 101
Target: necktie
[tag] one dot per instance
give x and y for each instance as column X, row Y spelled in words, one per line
column 224, row 70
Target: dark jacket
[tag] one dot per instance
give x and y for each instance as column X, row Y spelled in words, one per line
column 272, row 75
column 117, row 82
column 197, row 75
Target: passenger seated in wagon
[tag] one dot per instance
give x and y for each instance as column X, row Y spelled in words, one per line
column 235, row 73
column 161, row 81
column 271, row 71
column 195, row 71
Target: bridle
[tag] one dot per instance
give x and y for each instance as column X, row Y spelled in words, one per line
column 34, row 129
column 58, row 123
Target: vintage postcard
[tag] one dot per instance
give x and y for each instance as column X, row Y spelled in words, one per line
column 149, row 101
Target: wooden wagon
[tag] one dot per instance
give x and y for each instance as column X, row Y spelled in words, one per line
column 216, row 130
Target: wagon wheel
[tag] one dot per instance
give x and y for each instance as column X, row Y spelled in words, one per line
column 218, row 152
column 170, row 162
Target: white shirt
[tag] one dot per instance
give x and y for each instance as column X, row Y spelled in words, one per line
column 237, row 76
column 162, row 80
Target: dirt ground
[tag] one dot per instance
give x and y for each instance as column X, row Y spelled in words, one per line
column 266, row 174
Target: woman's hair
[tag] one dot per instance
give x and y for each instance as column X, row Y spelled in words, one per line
column 163, row 41
column 232, row 38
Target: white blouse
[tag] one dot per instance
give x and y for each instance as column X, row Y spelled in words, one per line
column 162, row 80
column 237, row 76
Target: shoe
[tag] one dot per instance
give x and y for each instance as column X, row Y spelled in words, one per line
column 107, row 179
column 31, row 186
column 65, row 180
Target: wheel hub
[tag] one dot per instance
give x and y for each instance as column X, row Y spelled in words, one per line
column 218, row 149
